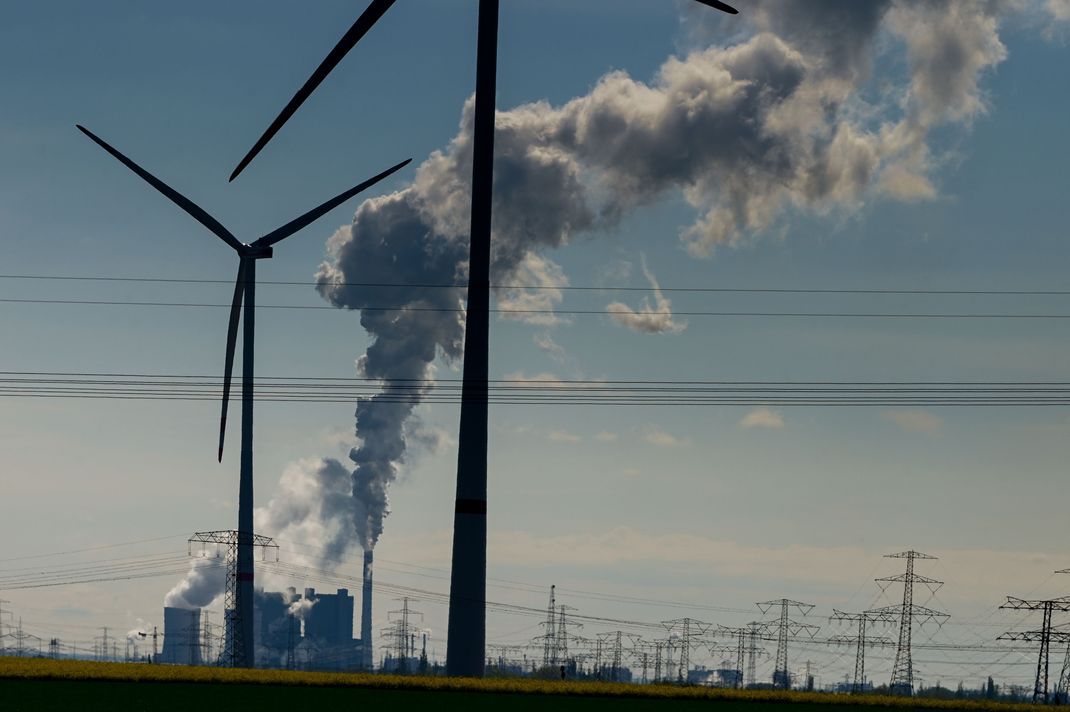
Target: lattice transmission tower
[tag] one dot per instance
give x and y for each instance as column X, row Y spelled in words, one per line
column 660, row 647
column 690, row 632
column 639, row 651
column 1044, row 636
column 612, row 644
column 1062, row 687
column 861, row 639
column 549, row 636
column 556, row 638
column 402, row 635
column 745, row 649
column 564, row 655
column 902, row 681
column 233, row 653
column 786, row 629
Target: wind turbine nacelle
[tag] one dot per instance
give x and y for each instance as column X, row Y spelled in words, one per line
column 258, row 252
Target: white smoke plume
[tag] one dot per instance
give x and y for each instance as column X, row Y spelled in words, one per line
column 203, row 583
column 301, row 607
column 797, row 114
column 312, row 506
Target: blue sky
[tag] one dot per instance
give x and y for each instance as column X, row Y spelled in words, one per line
column 680, row 505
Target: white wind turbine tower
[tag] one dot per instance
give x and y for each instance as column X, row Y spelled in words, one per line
column 240, row 637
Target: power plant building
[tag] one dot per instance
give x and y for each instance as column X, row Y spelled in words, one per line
column 316, row 633
column 330, row 620
column 311, row 630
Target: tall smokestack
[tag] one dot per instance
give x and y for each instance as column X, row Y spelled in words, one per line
column 366, row 613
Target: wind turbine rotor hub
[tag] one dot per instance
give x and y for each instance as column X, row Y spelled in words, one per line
column 258, row 252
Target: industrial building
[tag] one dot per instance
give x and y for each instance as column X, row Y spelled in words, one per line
column 311, row 630
column 329, row 622
column 316, row 635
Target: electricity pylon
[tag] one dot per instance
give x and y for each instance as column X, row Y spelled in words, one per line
column 786, row 628
column 614, row 641
column 860, row 639
column 1062, row 688
column 234, row 653
column 660, row 646
column 563, row 635
column 744, row 648
column 555, row 639
column 1044, row 636
column 903, row 672
column 400, row 633
column 689, row 630
column 549, row 636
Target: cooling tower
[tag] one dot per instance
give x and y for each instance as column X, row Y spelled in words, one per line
column 181, row 636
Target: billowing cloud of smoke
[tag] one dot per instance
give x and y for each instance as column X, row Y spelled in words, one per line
column 301, row 607
column 312, row 506
column 785, row 119
column 204, row 582
column 648, row 319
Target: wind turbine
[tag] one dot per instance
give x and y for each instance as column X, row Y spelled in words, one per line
column 467, row 618
column 241, row 637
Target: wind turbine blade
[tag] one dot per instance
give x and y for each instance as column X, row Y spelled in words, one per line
column 354, row 34
column 717, row 5
column 232, row 338
column 316, row 213
column 177, row 198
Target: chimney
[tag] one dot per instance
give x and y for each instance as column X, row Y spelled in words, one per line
column 366, row 613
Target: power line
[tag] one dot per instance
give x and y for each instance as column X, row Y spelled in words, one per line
column 163, row 387
column 529, row 587
column 523, row 381
column 534, row 613
column 563, row 288
column 92, row 548
column 566, row 312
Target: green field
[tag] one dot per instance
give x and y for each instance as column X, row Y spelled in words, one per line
column 27, row 684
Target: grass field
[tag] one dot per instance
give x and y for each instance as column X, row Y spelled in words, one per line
column 28, row 684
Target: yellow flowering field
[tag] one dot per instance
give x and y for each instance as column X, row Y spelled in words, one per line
column 41, row 669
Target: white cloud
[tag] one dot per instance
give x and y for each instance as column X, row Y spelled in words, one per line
column 546, row 343
column 762, row 418
column 341, row 439
column 656, row 319
column 914, row 421
column 563, row 436
column 1057, row 19
column 521, row 377
column 606, row 437
column 1058, row 9
column 660, row 438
